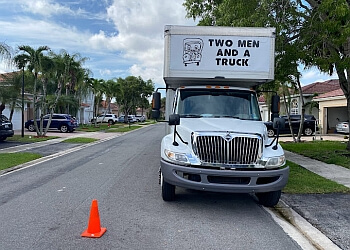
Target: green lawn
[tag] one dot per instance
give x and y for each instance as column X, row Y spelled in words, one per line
column 30, row 138
column 80, row 140
column 303, row 181
column 332, row 152
column 8, row 160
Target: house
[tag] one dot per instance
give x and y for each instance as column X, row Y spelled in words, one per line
column 86, row 109
column 112, row 109
column 309, row 93
column 332, row 109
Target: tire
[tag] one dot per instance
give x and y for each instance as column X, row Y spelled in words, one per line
column 31, row 128
column 64, row 129
column 269, row 199
column 2, row 138
column 308, row 131
column 168, row 190
column 270, row 132
column 92, row 120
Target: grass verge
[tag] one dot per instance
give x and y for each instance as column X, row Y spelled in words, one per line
column 8, row 160
column 29, row 138
column 331, row 152
column 123, row 129
column 303, row 181
column 80, row 140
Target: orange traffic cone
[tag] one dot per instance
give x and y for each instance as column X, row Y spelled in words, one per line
column 94, row 229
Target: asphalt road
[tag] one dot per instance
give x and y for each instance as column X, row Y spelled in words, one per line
column 46, row 206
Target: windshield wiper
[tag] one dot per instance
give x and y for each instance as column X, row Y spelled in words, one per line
column 190, row 116
column 230, row 116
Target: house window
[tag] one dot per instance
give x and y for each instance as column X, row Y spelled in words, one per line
column 294, row 110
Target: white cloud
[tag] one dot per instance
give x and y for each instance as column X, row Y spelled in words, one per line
column 140, row 26
column 45, row 8
column 313, row 75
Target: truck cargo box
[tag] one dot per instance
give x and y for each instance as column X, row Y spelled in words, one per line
column 241, row 57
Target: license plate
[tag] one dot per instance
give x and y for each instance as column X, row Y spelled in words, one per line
column 6, row 126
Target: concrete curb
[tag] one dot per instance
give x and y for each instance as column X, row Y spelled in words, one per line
column 305, row 234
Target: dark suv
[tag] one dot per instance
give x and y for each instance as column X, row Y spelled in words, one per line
column 63, row 122
column 308, row 128
column 6, row 128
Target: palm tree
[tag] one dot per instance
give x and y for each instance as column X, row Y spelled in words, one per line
column 6, row 56
column 5, row 53
column 110, row 87
column 97, row 88
column 34, row 59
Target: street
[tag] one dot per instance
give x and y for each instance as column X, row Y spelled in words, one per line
column 46, row 206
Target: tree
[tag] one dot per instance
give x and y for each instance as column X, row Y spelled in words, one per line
column 5, row 53
column 109, row 88
column 11, row 86
column 64, row 73
column 96, row 86
column 131, row 91
column 6, row 56
column 34, row 59
column 325, row 36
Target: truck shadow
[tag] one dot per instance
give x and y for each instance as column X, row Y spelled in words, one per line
column 213, row 199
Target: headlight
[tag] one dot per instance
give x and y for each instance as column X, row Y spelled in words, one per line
column 273, row 162
column 176, row 157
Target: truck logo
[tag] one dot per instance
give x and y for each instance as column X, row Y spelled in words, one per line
column 228, row 137
column 192, row 50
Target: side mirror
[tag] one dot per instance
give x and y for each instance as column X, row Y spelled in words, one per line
column 275, row 107
column 156, row 104
column 156, row 101
column 155, row 114
column 279, row 123
column 174, row 119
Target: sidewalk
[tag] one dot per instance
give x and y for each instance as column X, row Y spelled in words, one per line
column 62, row 137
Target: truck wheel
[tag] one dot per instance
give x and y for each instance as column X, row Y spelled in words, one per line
column 2, row 138
column 168, row 190
column 269, row 199
column 270, row 132
column 308, row 131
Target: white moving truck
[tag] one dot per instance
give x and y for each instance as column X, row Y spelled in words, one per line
column 216, row 140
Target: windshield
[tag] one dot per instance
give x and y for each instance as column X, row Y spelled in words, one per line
column 216, row 103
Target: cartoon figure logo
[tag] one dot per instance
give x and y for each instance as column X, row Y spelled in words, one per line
column 192, row 50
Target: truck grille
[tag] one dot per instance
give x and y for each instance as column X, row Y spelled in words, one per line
column 227, row 148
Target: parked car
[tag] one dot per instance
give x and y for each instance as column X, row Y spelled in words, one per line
column 132, row 118
column 109, row 118
column 310, row 124
column 342, row 127
column 140, row 118
column 6, row 128
column 121, row 118
column 63, row 122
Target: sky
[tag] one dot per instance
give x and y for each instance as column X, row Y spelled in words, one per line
column 119, row 37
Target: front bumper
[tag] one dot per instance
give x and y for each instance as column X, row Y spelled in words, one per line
column 6, row 133
column 227, row 181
